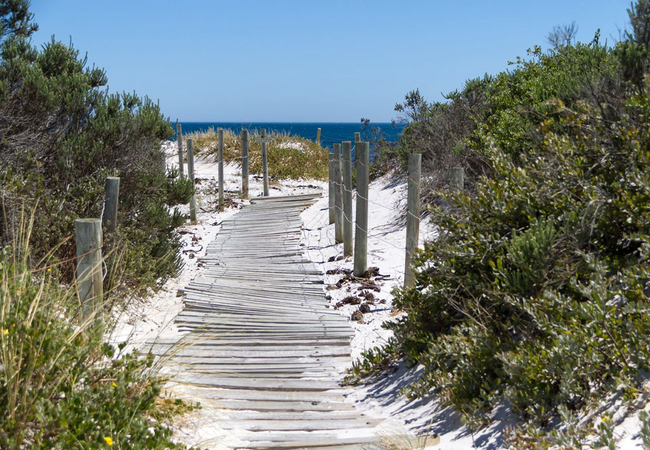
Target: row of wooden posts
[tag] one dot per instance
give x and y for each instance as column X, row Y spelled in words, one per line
column 340, row 204
column 89, row 231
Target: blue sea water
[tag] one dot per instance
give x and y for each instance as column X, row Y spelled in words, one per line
column 330, row 132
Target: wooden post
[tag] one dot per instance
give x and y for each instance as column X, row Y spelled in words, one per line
column 347, row 198
column 318, row 136
column 361, row 233
column 244, row 163
column 357, row 138
column 220, row 156
column 338, row 195
column 412, row 217
column 457, row 178
column 111, row 200
column 89, row 265
column 179, row 141
column 190, row 174
column 332, row 186
column 265, row 165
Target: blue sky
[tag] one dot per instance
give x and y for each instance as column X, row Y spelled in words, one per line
column 307, row 61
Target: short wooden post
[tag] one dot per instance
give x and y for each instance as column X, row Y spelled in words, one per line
column 220, row 156
column 457, row 178
column 179, row 141
column 332, row 192
column 347, row 197
column 265, row 164
column 89, row 265
column 357, row 137
column 244, row 163
column 338, row 195
column 190, row 174
column 318, row 136
column 412, row 216
column 361, row 233
column 111, row 200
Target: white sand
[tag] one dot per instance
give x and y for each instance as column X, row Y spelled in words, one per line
column 153, row 317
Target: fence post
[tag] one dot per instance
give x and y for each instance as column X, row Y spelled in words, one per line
column 361, row 234
column 457, row 178
column 244, row 163
column 338, row 195
column 347, row 198
column 111, row 200
column 220, row 156
column 88, row 234
column 190, row 174
column 318, row 136
column 179, row 141
column 412, row 216
column 357, row 137
column 332, row 186
column 265, row 164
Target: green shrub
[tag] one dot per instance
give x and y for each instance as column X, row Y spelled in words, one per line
column 60, row 386
column 536, row 290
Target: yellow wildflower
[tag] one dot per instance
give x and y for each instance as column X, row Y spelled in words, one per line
column 114, row 385
column 108, row 440
column 3, row 331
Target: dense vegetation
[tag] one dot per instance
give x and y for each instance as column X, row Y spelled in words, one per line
column 537, row 291
column 61, row 134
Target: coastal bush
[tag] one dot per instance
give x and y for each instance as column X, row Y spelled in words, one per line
column 288, row 156
column 60, row 385
column 61, row 134
column 536, row 291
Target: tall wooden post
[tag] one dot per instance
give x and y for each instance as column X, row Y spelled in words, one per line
column 412, row 217
column 89, row 265
column 220, row 156
column 318, row 136
column 347, row 197
column 190, row 174
column 361, row 233
column 179, row 141
column 265, row 165
column 244, row 163
column 357, row 138
column 332, row 192
column 457, row 178
column 111, row 201
column 338, row 195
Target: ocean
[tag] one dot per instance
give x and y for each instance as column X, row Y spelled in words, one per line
column 330, row 132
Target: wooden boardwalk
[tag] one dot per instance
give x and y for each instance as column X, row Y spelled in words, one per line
column 265, row 348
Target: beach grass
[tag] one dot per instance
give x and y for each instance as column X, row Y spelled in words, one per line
column 289, row 156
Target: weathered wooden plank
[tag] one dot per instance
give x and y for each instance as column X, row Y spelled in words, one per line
column 297, row 425
column 274, row 407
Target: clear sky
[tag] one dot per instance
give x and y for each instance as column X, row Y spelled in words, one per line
column 307, row 60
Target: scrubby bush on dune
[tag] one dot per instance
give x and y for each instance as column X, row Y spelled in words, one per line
column 537, row 291
column 61, row 134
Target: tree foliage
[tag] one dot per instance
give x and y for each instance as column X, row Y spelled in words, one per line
column 62, row 133
column 15, row 19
